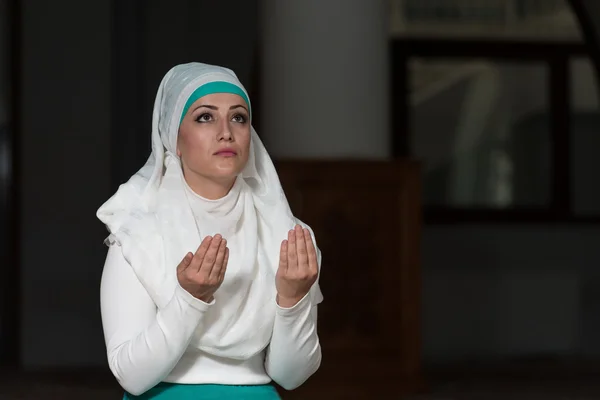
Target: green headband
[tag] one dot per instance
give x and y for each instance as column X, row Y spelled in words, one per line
column 214, row 87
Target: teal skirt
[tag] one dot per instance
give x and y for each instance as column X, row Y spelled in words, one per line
column 171, row 391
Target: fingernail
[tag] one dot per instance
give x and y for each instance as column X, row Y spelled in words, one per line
column 217, row 236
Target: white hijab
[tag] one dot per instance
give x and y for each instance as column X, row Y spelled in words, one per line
column 157, row 219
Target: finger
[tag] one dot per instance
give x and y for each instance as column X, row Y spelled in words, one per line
column 301, row 248
column 283, row 258
column 185, row 263
column 216, row 270
column 291, row 251
column 200, row 253
column 313, row 263
column 211, row 256
column 224, row 267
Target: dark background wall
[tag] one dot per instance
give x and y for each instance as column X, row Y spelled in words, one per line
column 89, row 73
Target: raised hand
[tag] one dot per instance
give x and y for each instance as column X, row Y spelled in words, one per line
column 298, row 269
column 202, row 273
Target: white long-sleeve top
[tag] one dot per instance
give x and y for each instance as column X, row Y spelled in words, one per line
column 146, row 345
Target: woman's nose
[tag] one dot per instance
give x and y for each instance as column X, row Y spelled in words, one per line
column 226, row 131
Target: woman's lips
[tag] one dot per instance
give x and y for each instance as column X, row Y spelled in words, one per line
column 226, row 153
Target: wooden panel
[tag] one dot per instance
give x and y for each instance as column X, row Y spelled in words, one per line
column 366, row 218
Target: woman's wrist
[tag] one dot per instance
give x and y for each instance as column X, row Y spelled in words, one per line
column 289, row 302
column 285, row 302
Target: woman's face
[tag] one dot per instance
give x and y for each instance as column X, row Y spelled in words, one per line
column 214, row 138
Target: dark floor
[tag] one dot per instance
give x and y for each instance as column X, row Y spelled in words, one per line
column 63, row 385
column 534, row 380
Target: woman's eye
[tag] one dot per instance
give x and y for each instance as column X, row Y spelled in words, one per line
column 204, row 118
column 239, row 118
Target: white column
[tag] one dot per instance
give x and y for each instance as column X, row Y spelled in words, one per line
column 324, row 79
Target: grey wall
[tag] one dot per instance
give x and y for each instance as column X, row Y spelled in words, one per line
column 511, row 290
column 4, row 162
column 65, row 160
column 5, row 61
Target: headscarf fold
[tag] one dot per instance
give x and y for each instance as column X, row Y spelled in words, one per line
column 156, row 219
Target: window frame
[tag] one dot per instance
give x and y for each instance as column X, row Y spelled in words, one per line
column 558, row 57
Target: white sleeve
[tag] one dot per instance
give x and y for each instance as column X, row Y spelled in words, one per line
column 294, row 353
column 143, row 344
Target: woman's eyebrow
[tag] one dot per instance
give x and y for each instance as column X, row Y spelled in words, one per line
column 216, row 108
column 238, row 106
column 207, row 106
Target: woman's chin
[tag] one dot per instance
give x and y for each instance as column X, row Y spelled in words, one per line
column 228, row 169
column 227, row 174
